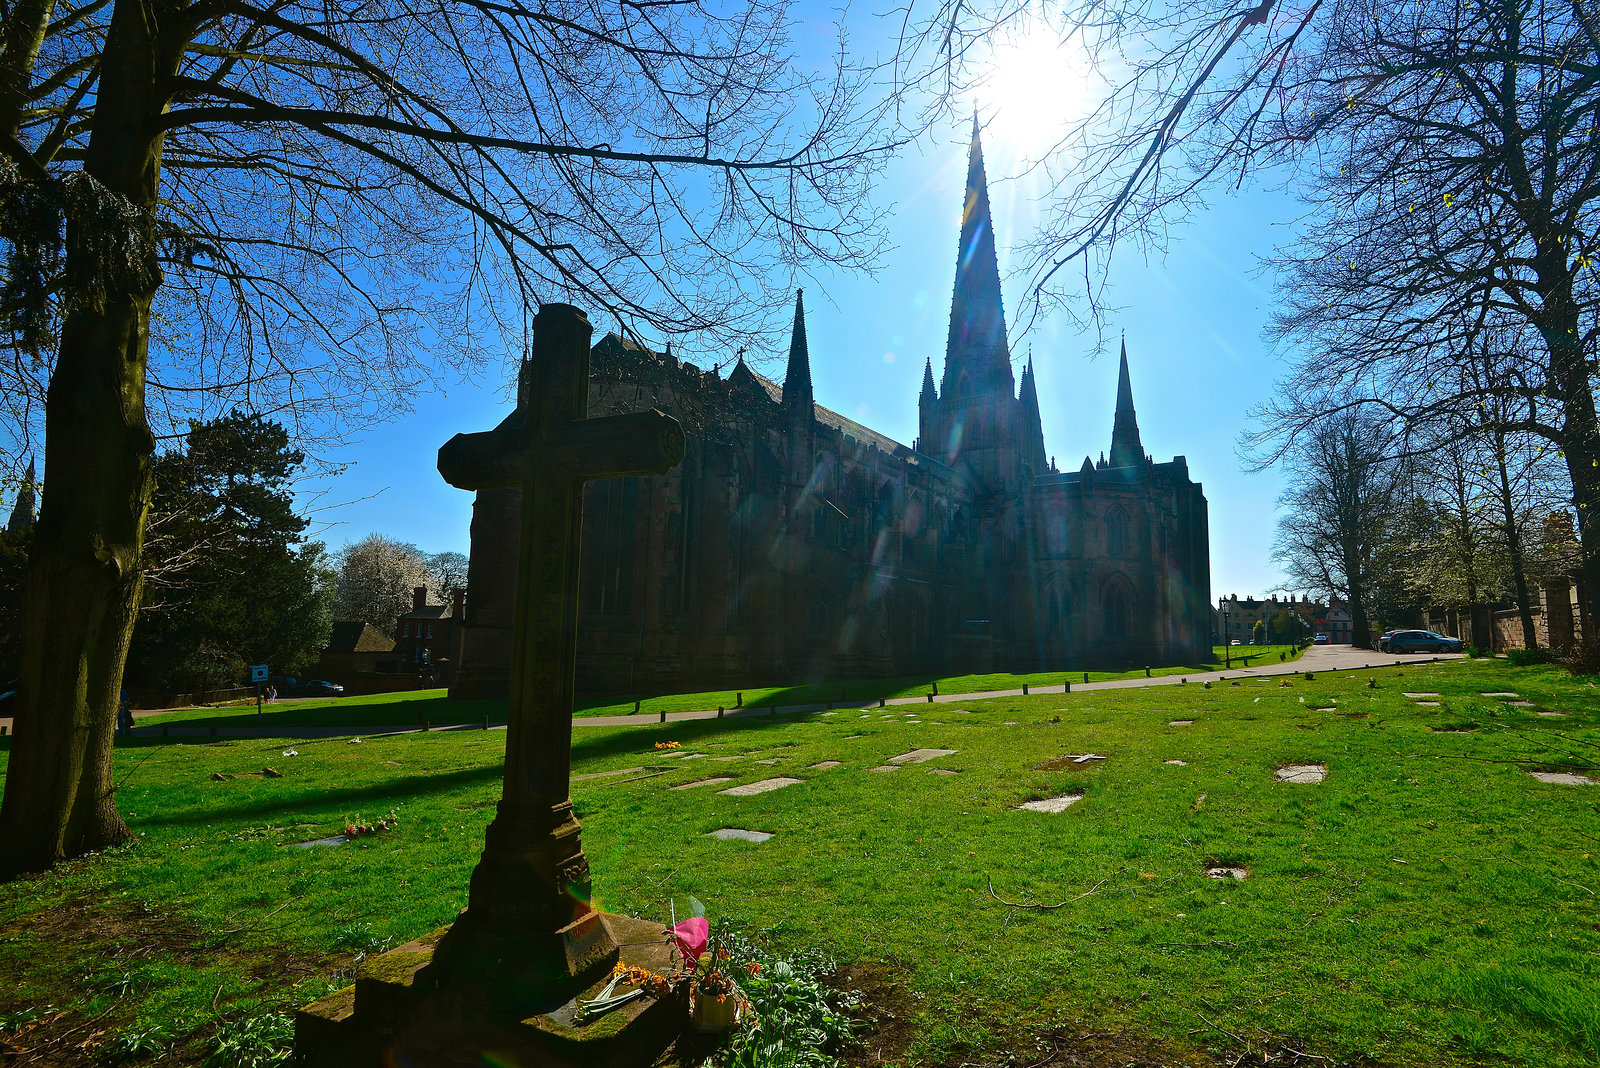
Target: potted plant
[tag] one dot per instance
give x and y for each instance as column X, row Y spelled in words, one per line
column 717, row 998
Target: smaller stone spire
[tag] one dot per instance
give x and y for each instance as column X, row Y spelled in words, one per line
column 930, row 394
column 1032, row 425
column 22, row 512
column 1126, row 448
column 797, row 395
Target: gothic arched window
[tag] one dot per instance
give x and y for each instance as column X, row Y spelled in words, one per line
column 1116, row 610
column 1056, row 534
column 1116, row 533
column 1055, row 609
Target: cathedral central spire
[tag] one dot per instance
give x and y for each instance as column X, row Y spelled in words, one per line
column 1126, row 448
column 976, row 350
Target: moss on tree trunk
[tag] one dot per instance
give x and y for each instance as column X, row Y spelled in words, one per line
column 84, row 576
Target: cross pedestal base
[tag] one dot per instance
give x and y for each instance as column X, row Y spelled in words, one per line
column 394, row 1014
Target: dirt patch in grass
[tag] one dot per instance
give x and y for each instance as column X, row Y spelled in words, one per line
column 57, row 1028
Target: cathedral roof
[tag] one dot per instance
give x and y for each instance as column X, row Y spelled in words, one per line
column 844, row 424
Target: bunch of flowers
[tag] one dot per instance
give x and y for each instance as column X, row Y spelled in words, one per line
column 717, row 979
column 657, row 986
column 355, row 828
column 669, row 745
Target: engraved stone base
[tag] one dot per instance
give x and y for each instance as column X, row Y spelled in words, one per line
column 395, row 1015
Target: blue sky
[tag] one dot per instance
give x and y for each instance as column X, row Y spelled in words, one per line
column 1192, row 319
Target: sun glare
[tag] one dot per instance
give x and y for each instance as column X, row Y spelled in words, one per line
column 1035, row 87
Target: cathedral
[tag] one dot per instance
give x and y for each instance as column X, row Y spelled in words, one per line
column 793, row 544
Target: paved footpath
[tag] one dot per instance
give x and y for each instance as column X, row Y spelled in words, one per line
column 1318, row 658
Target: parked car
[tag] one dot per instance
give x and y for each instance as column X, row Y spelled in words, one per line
column 1236, row 641
column 322, row 688
column 1383, row 640
column 1423, row 641
column 1319, row 639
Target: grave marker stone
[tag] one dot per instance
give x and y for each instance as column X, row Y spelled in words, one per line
column 528, row 941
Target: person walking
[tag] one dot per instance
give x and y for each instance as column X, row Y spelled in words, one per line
column 124, row 716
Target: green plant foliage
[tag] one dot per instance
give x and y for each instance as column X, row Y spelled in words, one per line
column 231, row 579
column 797, row 1019
column 135, row 1043
column 253, row 1042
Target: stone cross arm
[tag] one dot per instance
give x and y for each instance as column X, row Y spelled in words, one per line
column 637, row 443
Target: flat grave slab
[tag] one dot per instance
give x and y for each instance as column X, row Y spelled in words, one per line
column 1521, row 704
column 606, row 774
column 771, row 760
column 704, row 782
column 941, row 771
column 1221, row 871
column 331, row 840
column 1418, row 695
column 885, row 767
column 693, row 756
column 1302, row 773
column 826, row 764
column 1497, row 693
column 726, row 759
column 917, row 756
column 1052, row 805
column 1427, row 704
column 726, row 833
column 1180, row 723
column 1552, row 715
column 1564, row 778
column 750, row 789
column 1179, row 763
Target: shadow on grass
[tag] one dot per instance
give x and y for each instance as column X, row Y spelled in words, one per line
column 407, row 787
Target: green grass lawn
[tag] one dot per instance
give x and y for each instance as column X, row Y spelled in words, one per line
column 1430, row 903
column 434, row 707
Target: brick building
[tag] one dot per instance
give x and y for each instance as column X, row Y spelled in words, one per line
column 428, row 638
column 794, row 543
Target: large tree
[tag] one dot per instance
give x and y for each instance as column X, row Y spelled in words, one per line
column 297, row 200
column 377, row 577
column 231, row 578
column 1336, row 534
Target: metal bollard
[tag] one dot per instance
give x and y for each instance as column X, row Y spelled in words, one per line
column 880, row 702
column 738, row 699
column 1147, row 672
column 930, row 698
column 426, row 725
column 663, row 715
column 936, row 686
column 719, row 711
column 485, row 722
column 1085, row 676
column 636, row 705
column 1024, row 689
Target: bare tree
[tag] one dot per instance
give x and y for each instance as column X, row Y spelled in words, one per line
column 447, row 572
column 1338, row 513
column 283, row 205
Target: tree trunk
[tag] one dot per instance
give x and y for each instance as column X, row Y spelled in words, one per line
column 1519, row 571
column 84, row 577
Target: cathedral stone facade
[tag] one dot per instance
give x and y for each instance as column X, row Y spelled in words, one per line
column 795, row 544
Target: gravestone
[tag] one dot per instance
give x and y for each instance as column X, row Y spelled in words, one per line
column 500, row 981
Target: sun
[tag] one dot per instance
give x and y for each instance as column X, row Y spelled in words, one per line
column 1036, row 87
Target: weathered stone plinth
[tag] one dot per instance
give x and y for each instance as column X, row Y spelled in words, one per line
column 396, row 1013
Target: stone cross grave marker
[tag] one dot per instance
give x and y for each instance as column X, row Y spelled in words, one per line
column 529, row 896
